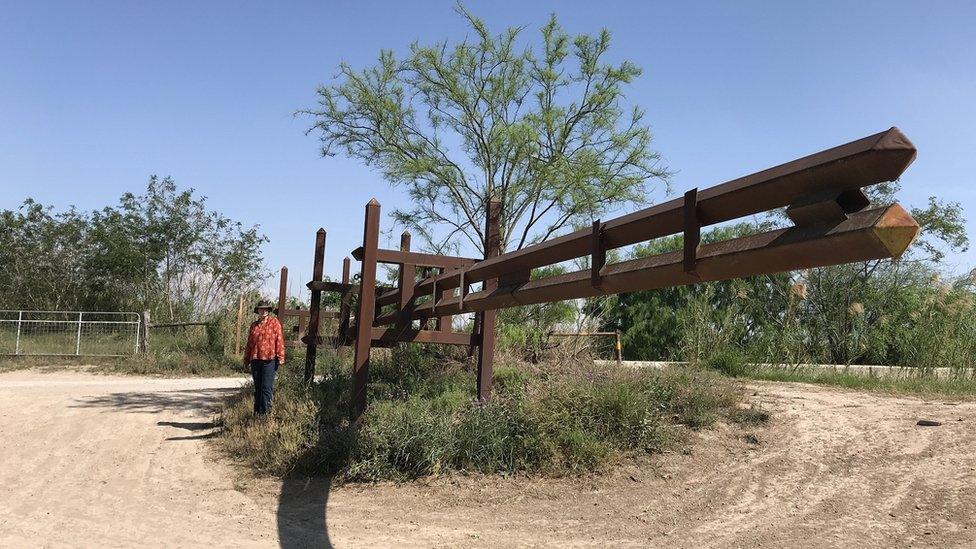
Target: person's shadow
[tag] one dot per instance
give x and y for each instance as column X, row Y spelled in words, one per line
column 302, row 512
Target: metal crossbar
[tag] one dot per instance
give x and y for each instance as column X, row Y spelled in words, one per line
column 69, row 333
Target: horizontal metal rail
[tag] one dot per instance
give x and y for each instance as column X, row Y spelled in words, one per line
column 873, row 234
column 868, row 161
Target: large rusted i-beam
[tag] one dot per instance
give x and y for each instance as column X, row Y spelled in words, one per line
column 367, row 307
column 315, row 305
column 874, row 234
column 486, row 320
column 868, row 161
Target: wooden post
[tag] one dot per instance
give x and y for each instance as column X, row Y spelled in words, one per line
column 486, row 354
column 311, row 344
column 367, row 306
column 237, row 325
column 407, row 279
column 144, row 339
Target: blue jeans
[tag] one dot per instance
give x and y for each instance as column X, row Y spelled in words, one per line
column 263, row 372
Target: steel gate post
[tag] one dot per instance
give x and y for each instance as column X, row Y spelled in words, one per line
column 78, row 341
column 20, row 318
column 486, row 353
column 367, row 307
column 282, row 293
column 344, row 306
column 312, row 341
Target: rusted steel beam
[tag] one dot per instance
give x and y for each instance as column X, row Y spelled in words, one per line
column 339, row 287
column 445, row 322
column 331, row 286
column 692, row 233
column 874, row 234
column 304, row 313
column 282, row 292
column 367, row 307
column 405, row 282
column 424, row 336
column 345, row 300
column 386, row 336
column 828, row 208
column 598, row 253
column 315, row 304
column 419, row 259
column 486, row 352
column 874, row 159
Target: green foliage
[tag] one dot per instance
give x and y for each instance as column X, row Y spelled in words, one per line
column 162, row 250
column 543, row 130
column 423, row 420
column 526, row 331
column 880, row 312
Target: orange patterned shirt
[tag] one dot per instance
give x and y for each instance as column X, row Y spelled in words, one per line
column 265, row 341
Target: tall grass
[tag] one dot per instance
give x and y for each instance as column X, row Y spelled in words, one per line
column 423, row 419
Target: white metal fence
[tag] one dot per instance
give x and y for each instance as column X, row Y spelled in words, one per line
column 77, row 333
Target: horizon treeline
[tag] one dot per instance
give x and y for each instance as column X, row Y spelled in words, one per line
column 162, row 251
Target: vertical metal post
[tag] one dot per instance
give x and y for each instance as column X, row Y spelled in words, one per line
column 344, row 305
column 406, row 281
column 425, row 322
column 619, row 347
column 20, row 318
column 135, row 350
column 692, row 231
column 486, row 354
column 311, row 344
column 144, row 340
column 367, row 306
column 78, row 340
column 445, row 323
column 282, row 293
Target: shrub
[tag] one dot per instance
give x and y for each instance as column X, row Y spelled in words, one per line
column 423, row 419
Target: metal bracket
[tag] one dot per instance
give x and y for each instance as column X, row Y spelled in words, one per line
column 692, row 232
column 598, row 253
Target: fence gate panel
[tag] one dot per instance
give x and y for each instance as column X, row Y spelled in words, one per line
column 69, row 333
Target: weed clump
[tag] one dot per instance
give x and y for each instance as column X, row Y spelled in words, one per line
column 424, row 419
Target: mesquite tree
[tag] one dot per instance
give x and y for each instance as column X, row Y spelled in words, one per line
column 545, row 130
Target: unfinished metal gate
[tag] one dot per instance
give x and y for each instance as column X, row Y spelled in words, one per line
column 68, row 333
column 833, row 223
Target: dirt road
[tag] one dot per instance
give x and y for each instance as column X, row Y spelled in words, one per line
column 122, row 461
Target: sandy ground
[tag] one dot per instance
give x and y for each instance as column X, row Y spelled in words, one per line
column 121, row 461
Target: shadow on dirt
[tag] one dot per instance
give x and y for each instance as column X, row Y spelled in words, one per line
column 205, row 400
column 302, row 512
column 191, row 426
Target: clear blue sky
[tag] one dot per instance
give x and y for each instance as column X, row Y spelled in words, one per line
column 96, row 96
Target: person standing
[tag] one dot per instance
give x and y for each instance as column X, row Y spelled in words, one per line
column 265, row 351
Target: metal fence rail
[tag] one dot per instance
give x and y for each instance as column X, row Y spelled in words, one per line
column 68, row 333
